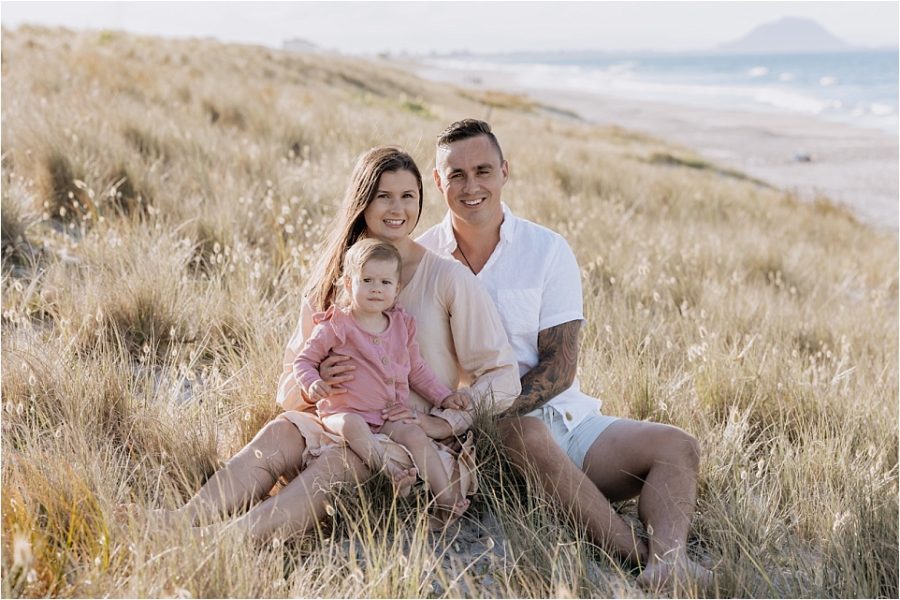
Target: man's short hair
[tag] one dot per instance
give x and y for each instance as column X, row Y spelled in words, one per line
column 466, row 129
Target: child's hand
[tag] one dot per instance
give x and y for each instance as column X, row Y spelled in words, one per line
column 459, row 399
column 319, row 390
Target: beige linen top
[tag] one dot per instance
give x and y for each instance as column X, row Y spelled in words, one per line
column 459, row 333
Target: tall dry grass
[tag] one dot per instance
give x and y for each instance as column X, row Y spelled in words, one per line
column 162, row 202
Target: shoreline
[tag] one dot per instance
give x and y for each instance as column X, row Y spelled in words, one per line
column 811, row 157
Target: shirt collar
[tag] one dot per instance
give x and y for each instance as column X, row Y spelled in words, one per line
column 508, row 226
column 447, row 241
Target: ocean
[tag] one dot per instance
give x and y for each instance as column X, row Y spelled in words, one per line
column 859, row 88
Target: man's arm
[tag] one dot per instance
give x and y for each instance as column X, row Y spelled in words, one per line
column 555, row 371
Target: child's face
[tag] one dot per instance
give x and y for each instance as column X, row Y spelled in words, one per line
column 375, row 287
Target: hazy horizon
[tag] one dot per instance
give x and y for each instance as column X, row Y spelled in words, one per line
column 442, row 27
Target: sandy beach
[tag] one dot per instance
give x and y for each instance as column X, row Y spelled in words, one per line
column 808, row 156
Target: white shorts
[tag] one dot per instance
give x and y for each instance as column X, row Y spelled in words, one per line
column 577, row 442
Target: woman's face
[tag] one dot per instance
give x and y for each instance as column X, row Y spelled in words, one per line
column 392, row 214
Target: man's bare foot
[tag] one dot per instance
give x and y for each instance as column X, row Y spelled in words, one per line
column 664, row 575
column 402, row 479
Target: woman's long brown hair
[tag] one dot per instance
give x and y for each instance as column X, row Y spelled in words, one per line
column 351, row 225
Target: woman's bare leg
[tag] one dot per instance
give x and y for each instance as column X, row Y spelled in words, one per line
column 251, row 473
column 302, row 502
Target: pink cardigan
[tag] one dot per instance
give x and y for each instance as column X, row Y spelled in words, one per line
column 387, row 364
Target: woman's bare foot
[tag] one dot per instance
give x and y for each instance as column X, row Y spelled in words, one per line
column 661, row 575
column 158, row 517
column 402, row 479
column 204, row 535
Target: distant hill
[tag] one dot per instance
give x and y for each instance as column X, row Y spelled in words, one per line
column 300, row 45
column 788, row 35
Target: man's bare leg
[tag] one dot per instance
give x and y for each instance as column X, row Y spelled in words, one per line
column 660, row 464
column 531, row 446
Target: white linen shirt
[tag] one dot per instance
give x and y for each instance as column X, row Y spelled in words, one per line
column 534, row 280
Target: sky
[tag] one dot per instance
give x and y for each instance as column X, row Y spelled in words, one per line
column 422, row 27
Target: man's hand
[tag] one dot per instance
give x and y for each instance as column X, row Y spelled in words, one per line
column 319, row 390
column 460, row 399
column 334, row 371
column 398, row 412
column 435, row 427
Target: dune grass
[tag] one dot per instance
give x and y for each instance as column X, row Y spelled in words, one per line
column 162, row 203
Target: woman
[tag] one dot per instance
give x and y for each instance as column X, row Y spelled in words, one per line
column 459, row 333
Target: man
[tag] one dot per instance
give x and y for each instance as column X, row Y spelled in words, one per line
column 584, row 459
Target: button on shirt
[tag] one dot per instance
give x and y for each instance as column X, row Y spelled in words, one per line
column 387, row 364
column 534, row 280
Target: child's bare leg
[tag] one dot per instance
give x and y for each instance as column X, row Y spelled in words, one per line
column 358, row 435
column 446, row 493
column 356, row 432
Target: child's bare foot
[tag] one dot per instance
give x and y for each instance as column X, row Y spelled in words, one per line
column 664, row 575
column 459, row 507
column 446, row 515
column 402, row 479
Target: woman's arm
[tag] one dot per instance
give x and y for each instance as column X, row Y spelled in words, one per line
column 290, row 396
column 482, row 347
column 421, row 378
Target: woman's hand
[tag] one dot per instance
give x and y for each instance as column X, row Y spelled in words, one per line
column 320, row 390
column 334, row 371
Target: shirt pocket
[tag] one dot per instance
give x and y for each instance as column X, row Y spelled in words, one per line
column 520, row 310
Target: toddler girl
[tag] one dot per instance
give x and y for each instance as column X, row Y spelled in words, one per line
column 368, row 326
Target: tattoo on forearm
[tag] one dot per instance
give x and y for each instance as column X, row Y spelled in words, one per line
column 556, row 368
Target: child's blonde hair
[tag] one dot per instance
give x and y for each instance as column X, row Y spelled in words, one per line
column 357, row 256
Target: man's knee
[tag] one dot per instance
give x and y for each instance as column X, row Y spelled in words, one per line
column 682, row 448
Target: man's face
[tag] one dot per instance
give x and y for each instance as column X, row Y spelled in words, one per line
column 470, row 175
